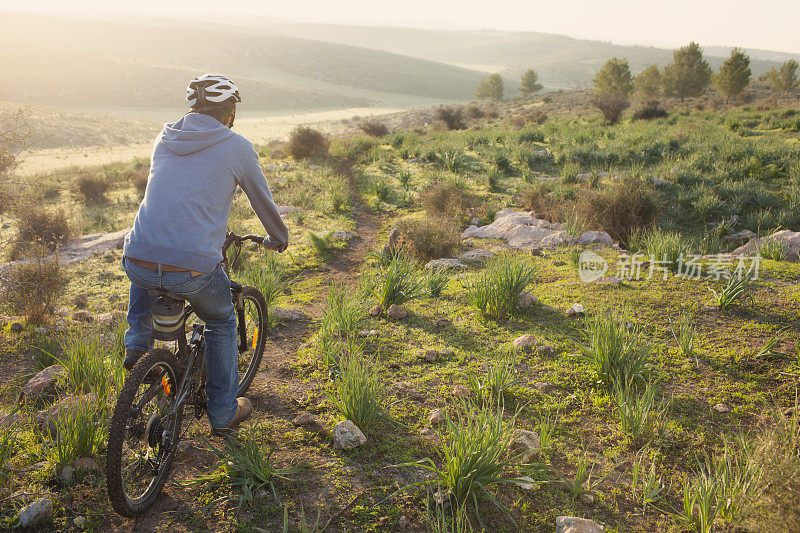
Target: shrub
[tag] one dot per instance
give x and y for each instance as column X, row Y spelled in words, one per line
column 628, row 205
column 42, row 226
column 437, row 280
column 649, row 111
column 641, row 414
column 453, row 160
column 495, row 290
column 381, row 189
column 502, row 163
column 338, row 195
column 268, row 279
column 358, row 396
column 614, row 351
column 92, row 187
column 540, row 200
column 80, row 432
column 343, row 314
column 90, row 364
column 400, row 282
column 373, row 127
column 322, row 244
column 664, row 247
column 307, row 143
column 451, row 116
column 773, row 249
column 475, row 111
column 611, row 106
column 445, row 199
column 429, row 238
column 32, row 288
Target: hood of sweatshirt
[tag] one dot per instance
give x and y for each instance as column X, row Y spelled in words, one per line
column 194, row 132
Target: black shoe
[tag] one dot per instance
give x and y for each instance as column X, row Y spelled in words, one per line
column 131, row 357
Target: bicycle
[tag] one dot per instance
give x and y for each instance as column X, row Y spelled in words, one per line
column 147, row 423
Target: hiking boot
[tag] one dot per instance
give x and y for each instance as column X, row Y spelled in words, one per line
column 131, row 357
column 243, row 411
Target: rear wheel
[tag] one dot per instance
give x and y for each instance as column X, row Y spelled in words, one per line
column 143, row 435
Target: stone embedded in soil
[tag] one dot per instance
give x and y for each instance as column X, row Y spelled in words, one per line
column 525, row 445
column 82, row 316
column 477, row 255
column 559, row 263
column 545, row 351
column 42, row 385
column 447, row 352
column 309, row 422
column 430, row 356
column 527, row 483
column 16, row 327
column 80, row 301
column 576, row 310
column 587, row 498
column 657, row 182
column 37, row 512
column 741, row 236
column 608, row 280
column 346, row 436
column 600, row 238
column 343, row 235
column 288, row 210
column 461, row 391
column 368, row 333
column 108, row 320
column 436, row 417
column 375, row 311
column 559, row 238
column 524, row 342
column 66, row 475
column 789, row 239
column 87, row 464
column 442, row 322
column 444, row 263
column 404, row 521
column 572, row 524
column 526, row 300
column 62, row 311
column 722, row 408
column 79, row 521
column 289, row 315
column 395, row 312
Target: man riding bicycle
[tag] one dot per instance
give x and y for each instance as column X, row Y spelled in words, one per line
column 177, row 236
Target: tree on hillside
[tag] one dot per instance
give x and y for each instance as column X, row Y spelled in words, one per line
column 492, row 87
column 689, row 75
column 648, row 83
column 733, row 75
column 783, row 80
column 612, row 86
column 530, row 83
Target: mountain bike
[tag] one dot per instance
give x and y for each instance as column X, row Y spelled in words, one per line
column 148, row 423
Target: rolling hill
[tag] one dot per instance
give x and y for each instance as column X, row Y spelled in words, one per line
column 104, row 64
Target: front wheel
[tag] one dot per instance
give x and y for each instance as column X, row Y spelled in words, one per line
column 251, row 328
column 143, row 435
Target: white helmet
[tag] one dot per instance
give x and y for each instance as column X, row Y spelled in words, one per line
column 211, row 89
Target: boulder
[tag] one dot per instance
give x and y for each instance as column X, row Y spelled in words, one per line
column 789, row 239
column 395, row 312
column 436, row 417
column 391, row 242
column 108, row 320
column 86, row 464
column 42, row 385
column 430, row 356
column 520, row 229
column 572, row 524
column 288, row 209
column 600, row 238
column 741, row 236
column 309, row 422
column 346, row 436
column 442, row 322
column 35, row 513
column 447, row 352
column 82, row 315
column 66, row 475
column 659, row 182
column 524, row 342
column 525, row 445
column 576, row 310
column 376, row 310
column 445, row 263
column 558, row 238
column 476, row 255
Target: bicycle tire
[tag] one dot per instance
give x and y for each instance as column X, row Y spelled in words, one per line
column 251, row 293
column 120, row 501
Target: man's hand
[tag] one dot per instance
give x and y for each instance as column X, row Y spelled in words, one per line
column 271, row 244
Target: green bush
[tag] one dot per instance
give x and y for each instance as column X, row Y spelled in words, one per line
column 400, row 281
column 495, row 290
column 614, row 351
column 358, row 396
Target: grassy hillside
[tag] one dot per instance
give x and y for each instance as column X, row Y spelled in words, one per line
column 58, row 61
column 562, row 62
column 662, row 406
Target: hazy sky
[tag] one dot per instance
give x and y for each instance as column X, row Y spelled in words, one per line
column 768, row 24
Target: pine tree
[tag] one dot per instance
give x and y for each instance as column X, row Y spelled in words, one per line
column 648, row 83
column 783, row 80
column 492, row 87
column 733, row 75
column 530, row 83
column 689, row 75
column 612, row 85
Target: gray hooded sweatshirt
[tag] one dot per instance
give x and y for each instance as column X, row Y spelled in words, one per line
column 196, row 165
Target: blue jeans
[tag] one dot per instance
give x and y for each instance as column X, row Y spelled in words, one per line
column 210, row 296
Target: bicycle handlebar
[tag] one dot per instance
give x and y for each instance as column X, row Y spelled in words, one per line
column 267, row 242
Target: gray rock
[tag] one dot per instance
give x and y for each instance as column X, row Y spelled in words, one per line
column 447, row 352
column 288, row 209
column 721, row 408
column 608, row 280
column 62, row 311
column 79, row 521
column 86, row 464
column 558, row 238
column 789, row 239
column 66, row 475
column 346, row 436
column 445, row 263
column 576, row 310
column 82, row 315
column 395, row 312
column 659, row 182
column 524, row 342
column 16, row 327
column 430, row 356
column 375, row 311
column 368, row 333
column 37, row 512
column 43, row 384
column 461, row 391
column 441, row 322
column 526, row 300
column 343, row 235
column 289, row 315
column 391, row 242
column 741, row 236
column 309, row 422
column 108, row 320
column 545, row 351
column 596, row 237
column 527, row 483
column 525, row 445
column 477, row 255
column 572, row 524
column 587, row 498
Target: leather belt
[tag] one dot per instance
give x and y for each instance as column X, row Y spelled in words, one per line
column 164, row 268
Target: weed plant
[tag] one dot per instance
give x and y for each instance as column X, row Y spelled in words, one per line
column 641, row 414
column 495, row 290
column 437, row 280
column 80, row 431
column 614, row 351
column 358, row 396
column 501, row 376
column 736, row 291
column 401, row 281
